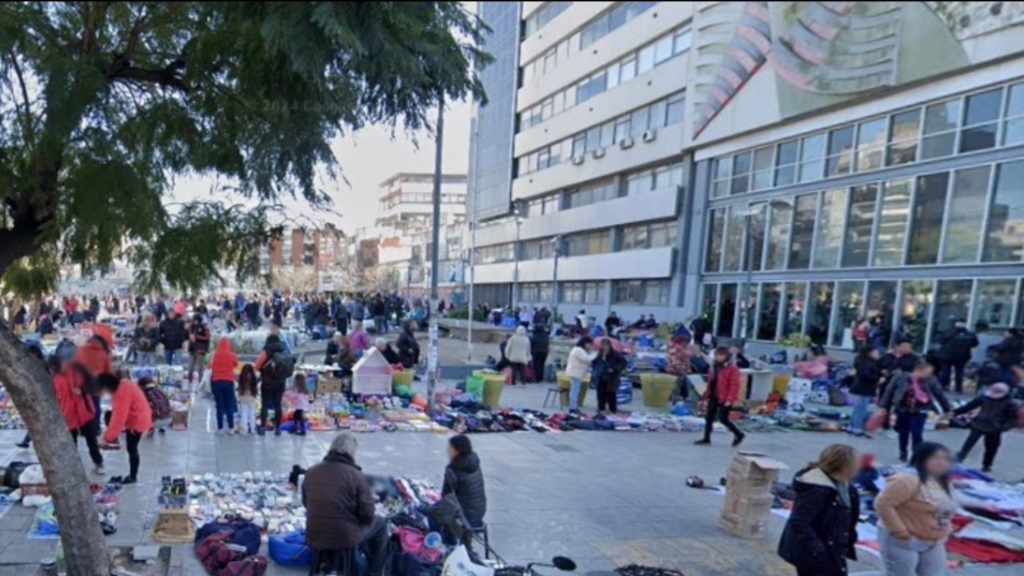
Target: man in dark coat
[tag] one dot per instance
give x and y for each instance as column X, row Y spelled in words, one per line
column 540, row 344
column 957, row 344
column 408, row 348
column 340, row 508
column 172, row 336
column 274, row 380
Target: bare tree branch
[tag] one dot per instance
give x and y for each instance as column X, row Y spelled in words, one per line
column 29, row 130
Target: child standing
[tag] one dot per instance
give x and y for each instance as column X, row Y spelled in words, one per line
column 298, row 394
column 248, row 389
column 159, row 405
column 997, row 413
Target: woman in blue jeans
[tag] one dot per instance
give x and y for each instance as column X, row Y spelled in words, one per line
column 865, row 386
column 578, row 367
column 912, row 396
column 222, row 384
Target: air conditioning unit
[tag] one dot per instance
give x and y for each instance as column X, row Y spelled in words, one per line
column 626, row 143
column 599, row 153
column 577, row 160
column 650, row 135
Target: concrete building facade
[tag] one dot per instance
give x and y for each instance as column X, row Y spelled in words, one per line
column 826, row 161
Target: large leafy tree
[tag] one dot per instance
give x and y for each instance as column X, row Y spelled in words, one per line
column 103, row 104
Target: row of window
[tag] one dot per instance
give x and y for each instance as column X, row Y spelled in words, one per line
column 639, row 182
column 628, row 67
column 826, row 311
column 542, row 16
column 963, row 124
column 632, row 126
column 964, row 216
column 597, row 28
column 635, row 237
column 639, row 292
column 421, row 197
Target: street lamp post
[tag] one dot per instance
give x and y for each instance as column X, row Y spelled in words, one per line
column 556, row 251
column 753, row 209
column 517, row 210
column 432, row 362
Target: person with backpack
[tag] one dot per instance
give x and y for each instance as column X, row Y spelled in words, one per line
column 198, row 345
column 130, row 414
column 159, row 405
column 275, row 366
column 955, row 352
column 222, row 384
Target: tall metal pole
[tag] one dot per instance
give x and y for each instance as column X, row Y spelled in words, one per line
column 515, row 270
column 749, row 263
column 472, row 279
column 435, row 234
column 554, row 291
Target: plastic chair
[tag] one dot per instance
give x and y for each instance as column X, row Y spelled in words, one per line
column 557, row 393
column 341, row 561
column 481, row 530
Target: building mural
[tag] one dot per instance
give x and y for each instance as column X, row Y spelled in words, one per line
column 795, row 57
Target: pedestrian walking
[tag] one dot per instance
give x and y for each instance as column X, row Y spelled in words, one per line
column 915, row 511
column 821, row 531
column 865, row 387
column 997, row 413
column 956, row 345
column 198, row 345
column 577, row 366
column 540, row 343
column 911, row 396
column 722, row 390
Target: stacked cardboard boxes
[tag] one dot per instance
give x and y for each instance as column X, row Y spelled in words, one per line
column 748, row 497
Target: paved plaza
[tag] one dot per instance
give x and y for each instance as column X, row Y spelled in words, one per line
column 605, row 499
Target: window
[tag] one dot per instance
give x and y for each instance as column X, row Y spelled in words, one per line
column 952, row 299
column 645, row 236
column 709, row 301
column 726, row 310
column 892, row 222
column 496, row 253
column 850, row 304
column 645, row 292
column 645, row 59
column 796, row 301
column 1013, row 126
column 762, row 178
column 879, row 305
column 860, row 219
column 926, row 224
column 593, row 292
column 537, row 249
column 681, row 42
column 593, row 193
column 966, row 215
column 716, row 227
column 674, row 109
column 588, row 243
column 778, row 238
column 981, row 120
column 628, row 292
column 573, row 292
column 627, row 69
column 840, row 152
column 734, row 235
column 1004, row 232
column 641, row 117
column 940, row 124
column 803, row 232
column 656, row 292
column 916, row 308
column 829, row 233
column 903, row 135
column 542, row 16
column 871, row 138
column 663, row 49
column 611, row 20
column 768, row 316
column 785, row 163
column 721, row 176
column 755, row 228
column 819, row 311
column 741, row 166
column 622, row 128
column 812, row 154
column 994, row 304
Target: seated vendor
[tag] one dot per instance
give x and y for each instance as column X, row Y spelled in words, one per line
column 650, row 323
column 341, row 509
column 389, row 353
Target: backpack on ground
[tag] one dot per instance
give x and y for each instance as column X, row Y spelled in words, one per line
column 282, row 365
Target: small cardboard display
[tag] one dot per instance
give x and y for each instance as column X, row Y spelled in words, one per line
column 372, row 374
column 748, row 498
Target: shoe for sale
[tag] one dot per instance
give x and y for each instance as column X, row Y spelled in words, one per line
column 702, row 442
column 738, row 440
column 100, row 470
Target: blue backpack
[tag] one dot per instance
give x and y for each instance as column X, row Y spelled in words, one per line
column 290, row 549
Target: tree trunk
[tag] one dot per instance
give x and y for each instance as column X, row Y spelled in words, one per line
column 31, row 389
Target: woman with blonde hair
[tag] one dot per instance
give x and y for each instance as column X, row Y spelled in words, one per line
column 822, row 529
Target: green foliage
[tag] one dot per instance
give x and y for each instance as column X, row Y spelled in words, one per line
column 463, row 313
column 795, row 340
column 103, row 104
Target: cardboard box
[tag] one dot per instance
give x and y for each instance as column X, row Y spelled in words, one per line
column 748, row 506
column 328, row 385
column 748, row 498
column 743, row 527
column 180, row 418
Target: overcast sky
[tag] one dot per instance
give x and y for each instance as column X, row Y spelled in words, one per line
column 367, row 158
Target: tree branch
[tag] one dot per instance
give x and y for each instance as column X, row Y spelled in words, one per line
column 29, row 131
column 17, row 242
column 169, row 76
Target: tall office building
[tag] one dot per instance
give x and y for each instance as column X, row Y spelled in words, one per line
column 830, row 161
column 579, row 153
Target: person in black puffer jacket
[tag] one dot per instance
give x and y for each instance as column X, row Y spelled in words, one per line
column 822, row 530
column 408, row 348
column 865, row 386
column 997, row 413
column 464, row 477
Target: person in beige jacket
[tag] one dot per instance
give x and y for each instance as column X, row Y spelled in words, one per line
column 915, row 512
column 577, row 367
column 517, row 350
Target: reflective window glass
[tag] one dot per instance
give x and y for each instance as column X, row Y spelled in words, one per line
column 966, row 214
column 926, row 222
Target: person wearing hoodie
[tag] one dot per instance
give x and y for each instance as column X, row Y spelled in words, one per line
column 72, row 385
column 865, row 387
column 275, row 366
column 408, row 348
column 997, row 413
column 915, row 515
column 198, row 345
column 222, row 384
column 172, row 336
column 94, row 357
column 910, row 396
column 518, row 353
column 1009, row 352
column 821, row 531
column 723, row 389
column 130, row 414
column 540, row 343
column 465, row 479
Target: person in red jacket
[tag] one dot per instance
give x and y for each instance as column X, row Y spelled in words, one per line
column 222, row 384
column 94, row 357
column 71, row 383
column 130, row 414
column 722, row 391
